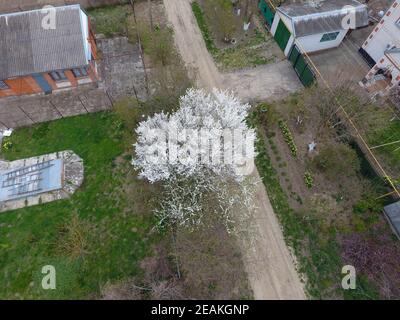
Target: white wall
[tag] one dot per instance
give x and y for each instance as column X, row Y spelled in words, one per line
column 275, row 24
column 85, row 32
column 285, row 20
column 388, row 33
column 289, row 46
column 313, row 42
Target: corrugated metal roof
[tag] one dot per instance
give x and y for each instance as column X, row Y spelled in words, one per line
column 309, row 19
column 312, row 7
column 392, row 212
column 27, row 48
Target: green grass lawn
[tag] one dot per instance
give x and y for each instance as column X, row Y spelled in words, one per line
column 388, row 134
column 100, row 234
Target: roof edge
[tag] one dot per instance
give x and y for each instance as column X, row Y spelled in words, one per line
column 357, row 8
column 70, row 6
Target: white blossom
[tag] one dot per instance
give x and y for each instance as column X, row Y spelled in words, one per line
column 198, row 153
column 204, row 133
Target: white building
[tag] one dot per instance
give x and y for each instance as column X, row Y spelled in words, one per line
column 316, row 25
column 382, row 51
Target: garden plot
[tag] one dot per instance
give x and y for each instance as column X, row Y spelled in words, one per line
column 232, row 47
column 327, row 199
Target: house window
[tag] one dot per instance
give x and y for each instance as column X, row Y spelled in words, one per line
column 329, row 36
column 58, row 75
column 80, row 72
column 3, row 85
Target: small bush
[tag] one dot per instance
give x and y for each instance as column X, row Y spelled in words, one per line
column 7, row 145
column 336, row 160
column 128, row 111
column 73, row 240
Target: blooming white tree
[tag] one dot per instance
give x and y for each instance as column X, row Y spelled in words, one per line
column 203, row 153
column 187, row 201
column 208, row 131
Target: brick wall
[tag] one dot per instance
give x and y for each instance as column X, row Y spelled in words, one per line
column 19, row 86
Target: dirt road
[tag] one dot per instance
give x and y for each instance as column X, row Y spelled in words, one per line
column 258, row 83
column 268, row 261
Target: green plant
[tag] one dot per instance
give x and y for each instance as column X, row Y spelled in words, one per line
column 308, row 179
column 7, row 145
column 288, row 137
column 201, row 21
column 128, row 111
column 215, row 18
column 335, row 160
column 73, row 241
column 110, row 20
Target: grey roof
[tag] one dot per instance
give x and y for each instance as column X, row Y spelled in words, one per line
column 27, row 48
column 392, row 212
column 310, row 19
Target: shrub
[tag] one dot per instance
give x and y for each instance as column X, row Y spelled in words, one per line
column 337, row 159
column 128, row 112
column 156, row 43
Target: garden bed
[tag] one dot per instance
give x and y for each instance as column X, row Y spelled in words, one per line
column 322, row 208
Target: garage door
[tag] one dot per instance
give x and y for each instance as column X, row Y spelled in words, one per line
column 301, row 66
column 282, row 35
column 267, row 12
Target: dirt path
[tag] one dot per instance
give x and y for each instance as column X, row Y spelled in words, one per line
column 258, row 83
column 268, row 261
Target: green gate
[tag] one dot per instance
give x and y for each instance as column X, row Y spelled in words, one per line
column 267, row 12
column 300, row 65
column 282, row 35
